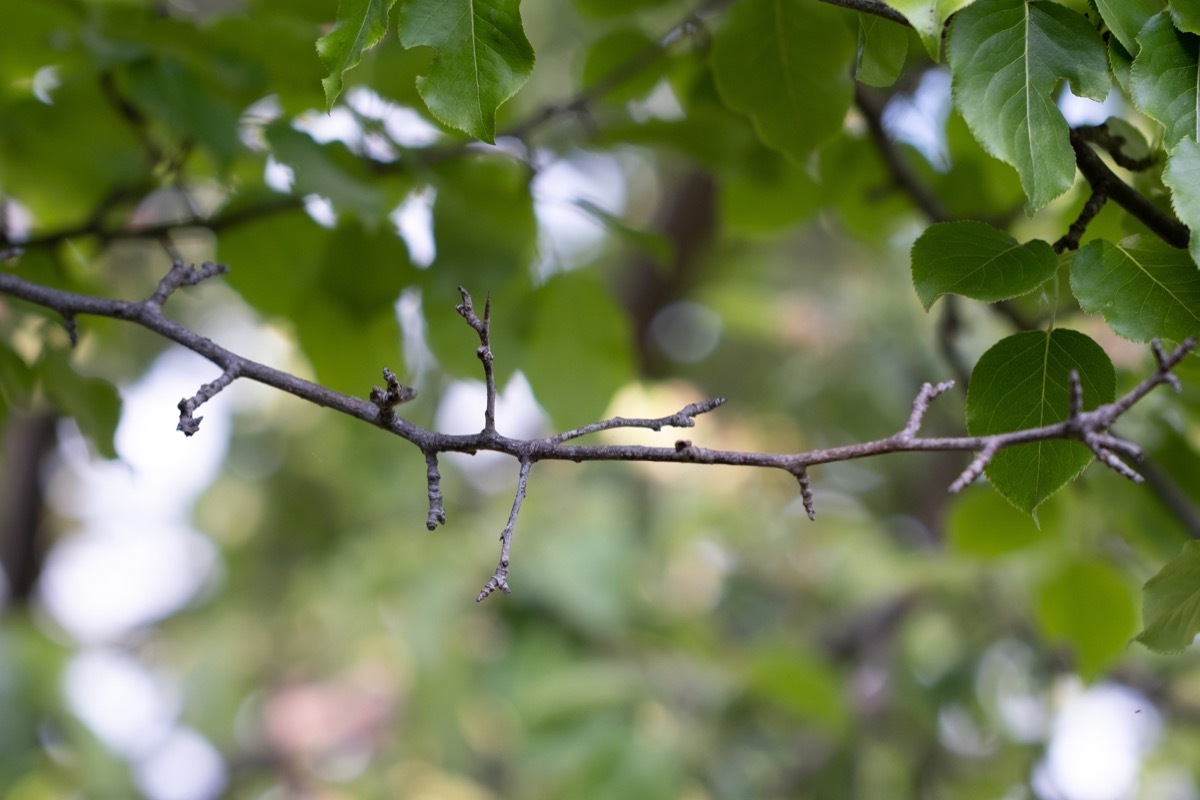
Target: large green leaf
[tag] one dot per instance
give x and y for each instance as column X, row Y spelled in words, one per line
column 786, row 66
column 1182, row 175
column 1022, row 382
column 360, row 25
column 483, row 58
column 1090, row 606
column 1007, row 58
column 1126, row 17
column 975, row 260
column 1143, row 287
column 1171, row 603
column 928, row 17
column 1166, row 78
column 577, row 331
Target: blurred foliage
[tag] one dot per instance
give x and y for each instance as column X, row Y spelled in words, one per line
column 674, row 209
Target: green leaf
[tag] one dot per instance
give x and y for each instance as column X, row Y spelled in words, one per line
column 92, row 402
column 1126, row 17
column 611, row 54
column 483, row 58
column 1182, row 176
column 1007, row 58
column 327, row 170
column 615, row 8
column 1143, row 287
column 882, row 48
column 975, row 260
column 171, row 91
column 359, row 27
column 768, row 197
column 580, row 332
column 1166, row 78
column 928, row 17
column 272, row 261
column 983, row 524
column 17, row 378
column 799, row 684
column 1090, row 606
column 1171, row 603
column 784, row 64
column 1021, row 382
column 1186, row 15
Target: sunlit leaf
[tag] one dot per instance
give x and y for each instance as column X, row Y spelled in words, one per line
column 1166, row 78
column 360, row 25
column 483, row 58
column 927, row 18
column 1171, row 603
column 975, row 260
column 1007, row 58
column 1143, row 287
column 1022, row 382
column 1088, row 605
column 785, row 65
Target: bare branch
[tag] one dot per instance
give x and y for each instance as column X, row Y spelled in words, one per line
column 499, row 579
column 1089, row 427
column 182, row 274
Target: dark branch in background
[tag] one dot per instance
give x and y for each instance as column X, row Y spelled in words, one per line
column 1104, row 180
column 1089, row 427
column 874, row 7
column 1070, row 240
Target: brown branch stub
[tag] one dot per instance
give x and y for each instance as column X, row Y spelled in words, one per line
column 806, row 495
column 388, row 398
column 189, row 424
column 1071, row 239
column 920, row 405
column 433, row 478
column 499, row 579
column 182, row 274
column 483, row 328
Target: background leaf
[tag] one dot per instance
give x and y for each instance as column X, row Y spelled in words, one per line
column 1171, row 603
column 1007, row 58
column 1021, row 382
column 1089, row 605
column 483, row 58
column 882, row 48
column 1166, row 78
column 359, row 27
column 1125, row 18
column 1186, row 15
column 1143, row 287
column 769, row 66
column 975, row 260
column 984, row 524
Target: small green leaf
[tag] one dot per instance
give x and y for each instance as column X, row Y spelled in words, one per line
column 799, row 684
column 1143, row 287
column 1171, row 603
column 1182, row 176
column 1186, row 15
column 173, row 92
column 1021, row 382
column 326, row 171
column 483, row 58
column 1166, row 78
column 768, row 197
column 975, row 260
column 928, row 18
column 359, row 27
column 983, row 524
column 609, row 57
column 1126, row 17
column 882, row 48
column 784, row 65
column 1090, row 606
column 1007, row 58
column 92, row 402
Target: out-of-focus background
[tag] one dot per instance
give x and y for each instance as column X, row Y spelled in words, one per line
column 259, row 612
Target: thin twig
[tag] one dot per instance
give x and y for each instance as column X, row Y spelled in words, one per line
column 499, row 579
column 483, row 352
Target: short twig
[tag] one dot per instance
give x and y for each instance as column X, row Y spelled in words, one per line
column 189, row 424
column 684, row 418
column 437, row 511
column 182, row 274
column 499, row 579
column 1071, row 239
column 921, row 404
column 388, row 398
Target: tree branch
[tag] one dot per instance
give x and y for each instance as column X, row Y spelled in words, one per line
column 1089, row 427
